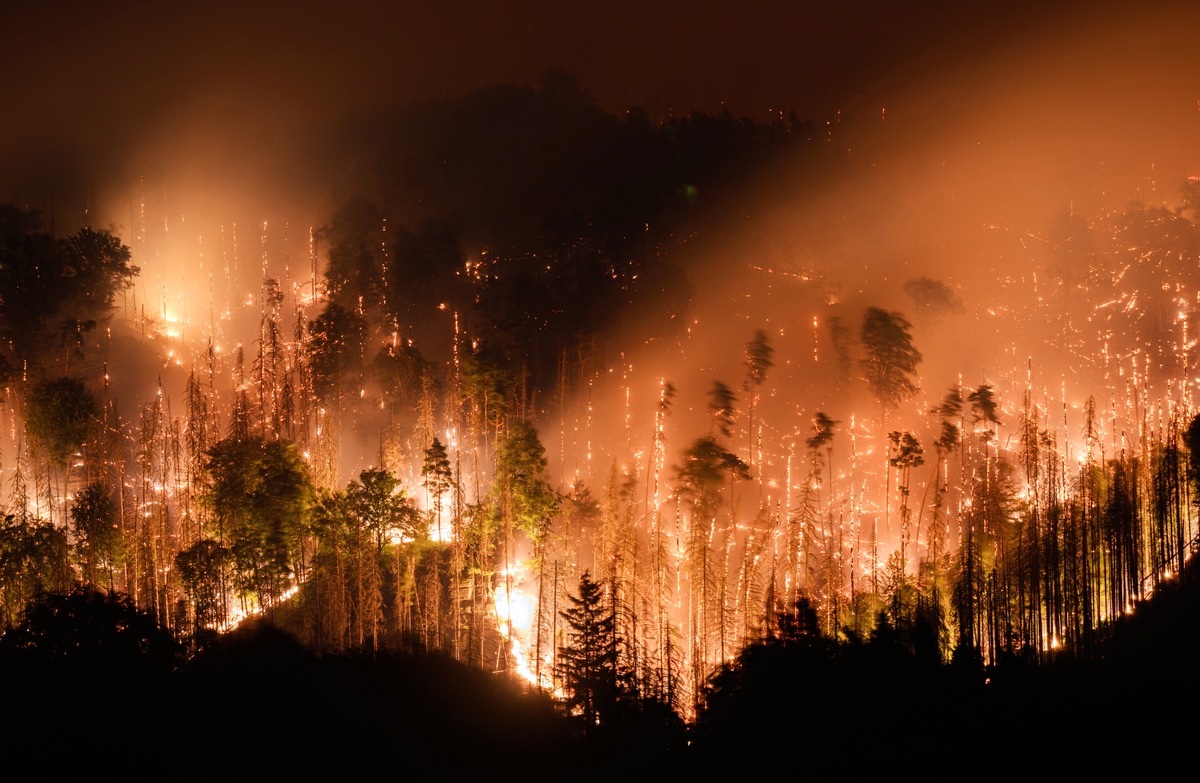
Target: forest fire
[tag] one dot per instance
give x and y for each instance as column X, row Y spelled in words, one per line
column 514, row 614
column 610, row 403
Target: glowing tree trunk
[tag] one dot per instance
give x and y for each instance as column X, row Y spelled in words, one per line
column 270, row 365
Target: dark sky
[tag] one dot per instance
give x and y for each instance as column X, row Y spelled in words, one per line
column 141, row 58
column 93, row 90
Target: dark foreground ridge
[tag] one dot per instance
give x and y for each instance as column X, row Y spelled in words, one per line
column 94, row 687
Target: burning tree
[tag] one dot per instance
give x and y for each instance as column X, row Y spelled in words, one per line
column 706, row 468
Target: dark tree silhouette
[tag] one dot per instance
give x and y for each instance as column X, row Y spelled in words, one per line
column 92, row 655
column 759, row 359
column 1189, row 199
column 438, row 478
column 933, row 298
column 721, row 401
column 204, row 569
column 33, row 560
column 588, row 663
column 335, row 340
column 59, row 415
column 89, row 630
column 55, row 291
column 890, row 359
column 99, row 542
column 355, row 239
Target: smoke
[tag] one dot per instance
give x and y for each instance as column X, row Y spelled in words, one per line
column 953, row 169
column 214, row 140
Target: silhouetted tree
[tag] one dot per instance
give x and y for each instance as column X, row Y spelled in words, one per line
column 90, row 631
column 1189, row 198
column 588, row 664
column 203, row 569
column 891, row 358
column 1191, row 439
column 905, row 453
column 438, row 479
column 933, row 298
column 706, row 467
column 721, row 400
column 99, row 542
column 59, row 416
column 985, row 410
column 336, row 338
column 33, row 560
column 355, row 238
column 759, row 359
column 55, row 291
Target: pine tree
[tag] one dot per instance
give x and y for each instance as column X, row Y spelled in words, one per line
column 891, row 358
column 759, row 359
column 587, row 664
column 438, row 478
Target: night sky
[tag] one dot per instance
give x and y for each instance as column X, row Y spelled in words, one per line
column 97, row 92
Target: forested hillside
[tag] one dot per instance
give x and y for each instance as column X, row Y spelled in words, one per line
column 571, row 439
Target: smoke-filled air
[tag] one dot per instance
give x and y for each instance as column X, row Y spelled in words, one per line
column 513, row 337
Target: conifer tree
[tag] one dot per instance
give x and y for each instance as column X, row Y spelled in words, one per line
column 891, row 358
column 438, row 479
column 759, row 359
column 587, row 664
